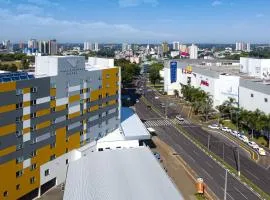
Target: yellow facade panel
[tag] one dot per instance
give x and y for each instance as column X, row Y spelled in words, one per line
column 53, row 92
column 26, row 90
column 59, row 108
column 74, row 115
column 43, row 112
column 74, row 98
column 6, row 87
column 43, row 125
column 5, row 130
column 26, row 104
column 7, row 108
column 7, row 150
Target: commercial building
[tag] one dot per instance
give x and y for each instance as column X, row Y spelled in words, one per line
column 65, row 105
column 258, row 68
column 217, row 77
column 176, row 45
column 132, row 173
column 193, row 52
column 165, row 47
column 254, row 94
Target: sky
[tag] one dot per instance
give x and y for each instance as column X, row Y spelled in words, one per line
column 136, row 21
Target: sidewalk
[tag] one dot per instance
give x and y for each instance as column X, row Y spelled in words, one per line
column 175, row 170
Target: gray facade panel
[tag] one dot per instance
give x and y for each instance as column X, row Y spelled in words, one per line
column 39, row 107
column 10, row 117
column 8, row 98
column 256, row 85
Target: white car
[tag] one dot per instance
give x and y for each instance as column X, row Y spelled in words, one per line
column 261, row 151
column 156, row 97
column 253, row 145
column 213, row 126
column 137, row 100
column 226, row 129
column 179, row 118
column 235, row 133
column 244, row 138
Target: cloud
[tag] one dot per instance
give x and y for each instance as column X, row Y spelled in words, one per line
column 41, row 27
column 216, row 3
column 28, row 8
column 260, row 15
column 133, row 3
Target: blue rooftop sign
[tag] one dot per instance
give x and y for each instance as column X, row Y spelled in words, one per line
column 173, row 67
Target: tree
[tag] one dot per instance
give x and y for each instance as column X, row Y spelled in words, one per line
column 154, row 75
column 25, row 64
column 176, row 93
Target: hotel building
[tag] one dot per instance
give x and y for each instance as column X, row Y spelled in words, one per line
column 44, row 117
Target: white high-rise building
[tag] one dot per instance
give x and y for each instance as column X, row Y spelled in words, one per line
column 52, row 47
column 96, row 47
column 241, row 46
column 124, row 47
column 183, row 48
column 33, row 43
column 248, row 47
column 193, row 52
column 176, row 45
column 88, row 46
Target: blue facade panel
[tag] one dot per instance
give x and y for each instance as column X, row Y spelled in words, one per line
column 173, row 67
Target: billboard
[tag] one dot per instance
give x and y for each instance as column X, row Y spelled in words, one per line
column 173, row 66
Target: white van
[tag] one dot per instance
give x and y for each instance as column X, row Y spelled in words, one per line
column 179, row 118
column 261, row 151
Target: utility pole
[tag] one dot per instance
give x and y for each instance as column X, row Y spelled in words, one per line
column 166, row 111
column 238, row 162
column 225, row 186
column 223, row 151
column 208, row 142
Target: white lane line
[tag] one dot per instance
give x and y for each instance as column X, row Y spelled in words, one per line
column 252, row 174
column 240, row 192
column 227, row 194
column 209, row 165
column 207, row 174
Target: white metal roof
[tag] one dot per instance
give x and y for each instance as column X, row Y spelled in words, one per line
column 132, row 126
column 127, row 174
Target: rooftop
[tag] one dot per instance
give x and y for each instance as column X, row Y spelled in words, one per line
column 119, row 175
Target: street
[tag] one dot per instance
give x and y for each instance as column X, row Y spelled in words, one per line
column 212, row 173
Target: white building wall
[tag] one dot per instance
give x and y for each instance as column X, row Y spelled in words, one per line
column 256, row 102
column 58, row 167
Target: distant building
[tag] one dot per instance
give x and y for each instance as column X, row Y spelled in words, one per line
column 193, row 52
column 176, row 45
column 241, row 46
column 124, row 47
column 87, row 46
column 7, row 45
column 96, row 47
column 32, row 44
column 183, row 48
column 258, row 68
column 52, row 47
column 165, row 47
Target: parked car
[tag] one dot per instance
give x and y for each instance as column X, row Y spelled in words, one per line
column 156, row 97
column 253, row 145
column 179, row 118
column 244, row 138
column 162, row 105
column 234, row 133
column 137, row 100
column 226, row 129
column 213, row 126
column 261, row 151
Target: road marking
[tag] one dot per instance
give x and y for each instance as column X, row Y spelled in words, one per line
column 209, row 165
column 207, row 173
column 252, row 174
column 240, row 192
column 196, row 153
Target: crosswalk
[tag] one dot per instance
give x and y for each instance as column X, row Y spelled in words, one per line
column 165, row 122
column 161, row 122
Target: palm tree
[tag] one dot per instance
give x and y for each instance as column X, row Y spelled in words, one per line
column 230, row 104
column 176, row 93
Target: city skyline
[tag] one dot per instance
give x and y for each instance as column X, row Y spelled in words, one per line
column 139, row 21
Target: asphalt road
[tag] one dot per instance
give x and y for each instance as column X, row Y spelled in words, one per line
column 204, row 166
column 254, row 172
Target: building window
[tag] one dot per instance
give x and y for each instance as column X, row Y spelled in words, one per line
column 33, row 153
column 100, row 96
column 81, row 91
column 33, row 115
column 67, row 139
column 107, row 75
column 99, row 116
column 251, row 95
column 19, row 159
column 53, row 98
column 33, row 167
column 47, row 172
column 19, row 146
column 87, row 90
column 19, row 119
column 18, row 133
column 66, row 150
column 52, row 145
column 33, row 128
column 34, row 89
column 18, row 186
column 81, row 133
column 33, row 102
column 5, row 194
column 19, row 92
column 66, row 161
column 19, row 105
column 19, row 173
column 107, row 94
column 265, row 100
column 52, row 157
column 88, row 100
column 32, row 180
column 99, row 106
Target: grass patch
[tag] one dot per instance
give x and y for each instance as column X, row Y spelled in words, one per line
column 261, row 140
column 229, row 124
column 17, row 63
column 200, row 196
